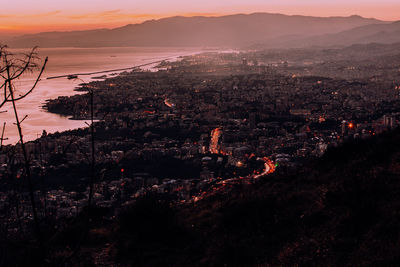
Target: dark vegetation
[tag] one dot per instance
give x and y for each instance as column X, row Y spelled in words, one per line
column 338, row 210
column 342, row 209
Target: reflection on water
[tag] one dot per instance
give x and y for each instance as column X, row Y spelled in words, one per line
column 65, row 61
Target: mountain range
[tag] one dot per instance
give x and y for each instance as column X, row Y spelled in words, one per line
column 373, row 33
column 237, row 31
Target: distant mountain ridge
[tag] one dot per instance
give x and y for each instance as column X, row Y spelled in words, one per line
column 374, row 33
column 228, row 31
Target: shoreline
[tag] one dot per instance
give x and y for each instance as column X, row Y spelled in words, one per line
column 81, row 87
column 107, row 71
column 62, row 87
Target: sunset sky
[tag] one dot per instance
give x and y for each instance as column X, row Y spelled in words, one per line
column 26, row 16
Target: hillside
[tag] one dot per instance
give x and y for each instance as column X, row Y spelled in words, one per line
column 338, row 210
column 227, row 31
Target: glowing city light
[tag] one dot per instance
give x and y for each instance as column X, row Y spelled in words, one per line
column 168, row 103
column 215, row 135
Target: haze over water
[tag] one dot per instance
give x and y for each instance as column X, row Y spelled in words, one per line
column 64, row 61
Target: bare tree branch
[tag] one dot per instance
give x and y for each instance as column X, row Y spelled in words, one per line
column 36, row 82
column 26, row 116
column 27, row 65
column 93, row 159
column 13, row 68
column 2, row 136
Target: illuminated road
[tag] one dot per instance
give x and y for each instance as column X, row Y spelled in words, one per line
column 269, row 168
column 220, row 186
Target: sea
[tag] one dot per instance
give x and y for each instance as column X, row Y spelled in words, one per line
column 65, row 61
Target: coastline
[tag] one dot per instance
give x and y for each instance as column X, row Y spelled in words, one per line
column 63, row 60
column 118, row 73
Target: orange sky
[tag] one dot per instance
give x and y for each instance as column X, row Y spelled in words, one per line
column 26, row 16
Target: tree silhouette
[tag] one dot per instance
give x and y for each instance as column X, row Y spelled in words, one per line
column 13, row 67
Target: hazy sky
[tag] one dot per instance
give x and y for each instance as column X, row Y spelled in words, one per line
column 46, row 15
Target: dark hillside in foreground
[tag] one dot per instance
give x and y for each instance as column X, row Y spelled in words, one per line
column 340, row 210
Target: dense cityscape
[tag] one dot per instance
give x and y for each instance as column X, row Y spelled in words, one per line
column 197, row 129
column 197, row 123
